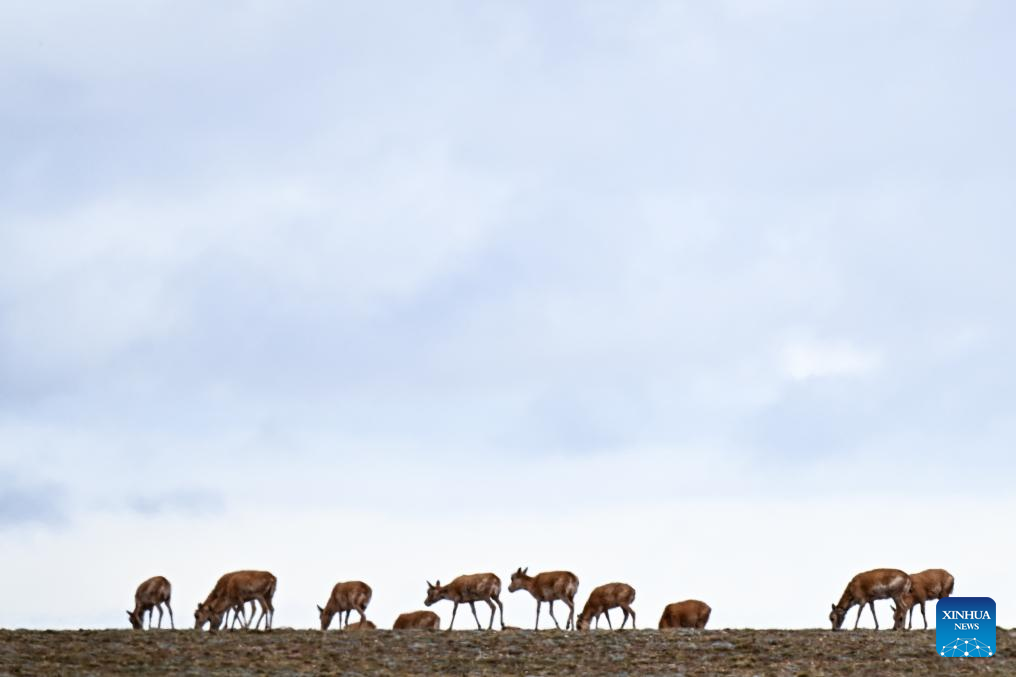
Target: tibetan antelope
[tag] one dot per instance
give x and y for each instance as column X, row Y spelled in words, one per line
column 153, row 593
column 865, row 588
column 235, row 589
column 469, row 589
column 417, row 620
column 360, row 625
column 349, row 596
column 927, row 585
column 549, row 586
column 604, row 598
column 690, row 613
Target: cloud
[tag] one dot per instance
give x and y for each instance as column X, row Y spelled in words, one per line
column 425, row 267
column 23, row 505
column 804, row 360
column 181, row 501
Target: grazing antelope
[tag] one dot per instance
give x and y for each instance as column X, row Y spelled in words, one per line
column 549, row 586
column 865, row 588
column 417, row 620
column 604, row 598
column 469, row 589
column 927, row 585
column 349, row 596
column 360, row 625
column 691, row 613
column 153, row 593
column 235, row 589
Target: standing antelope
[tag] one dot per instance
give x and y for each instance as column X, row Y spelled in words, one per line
column 549, row 586
column 604, row 598
column 690, row 613
column 417, row 620
column 152, row 593
column 927, row 585
column 349, row 596
column 237, row 588
column 865, row 588
column 471, row 588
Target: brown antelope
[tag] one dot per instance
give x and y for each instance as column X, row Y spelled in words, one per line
column 927, row 585
column 865, row 588
column 360, row 625
column 349, row 596
column 690, row 613
column 604, row 598
column 417, row 620
column 153, row 593
column 235, row 589
column 549, row 586
column 469, row 589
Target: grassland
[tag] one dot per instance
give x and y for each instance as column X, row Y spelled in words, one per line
column 643, row 652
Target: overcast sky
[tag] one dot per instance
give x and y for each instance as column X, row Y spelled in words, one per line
column 698, row 296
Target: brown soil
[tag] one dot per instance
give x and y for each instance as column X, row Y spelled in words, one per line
column 383, row 652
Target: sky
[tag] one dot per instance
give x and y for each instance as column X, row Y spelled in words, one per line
column 711, row 298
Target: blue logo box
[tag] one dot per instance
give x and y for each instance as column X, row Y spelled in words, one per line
column 965, row 627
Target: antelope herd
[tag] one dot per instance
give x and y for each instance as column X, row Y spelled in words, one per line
column 233, row 591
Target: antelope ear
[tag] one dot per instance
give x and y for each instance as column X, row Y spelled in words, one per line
column 526, row 570
column 128, row 613
column 437, row 584
column 320, row 610
column 833, row 606
column 429, row 585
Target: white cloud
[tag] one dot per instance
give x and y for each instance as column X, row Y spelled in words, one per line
column 809, row 359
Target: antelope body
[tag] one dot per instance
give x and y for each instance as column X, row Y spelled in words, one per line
column 690, row 613
column 549, row 586
column 349, row 596
column 927, row 585
column 417, row 620
column 152, row 593
column 360, row 625
column 469, row 589
column 235, row 589
column 604, row 598
column 868, row 586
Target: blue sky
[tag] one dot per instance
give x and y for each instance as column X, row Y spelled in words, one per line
column 493, row 280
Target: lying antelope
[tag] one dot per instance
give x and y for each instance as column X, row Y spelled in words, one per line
column 153, row 593
column 360, row 625
column 349, row 596
column 865, row 588
column 417, row 620
column 549, row 586
column 604, row 598
column 690, row 613
column 927, row 585
column 469, row 589
column 235, row 589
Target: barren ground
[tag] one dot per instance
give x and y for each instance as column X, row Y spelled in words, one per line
column 642, row 652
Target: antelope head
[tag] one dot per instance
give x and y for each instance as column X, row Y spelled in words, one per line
column 326, row 617
column 836, row 617
column 135, row 619
column 203, row 614
column 518, row 579
column 434, row 593
column 899, row 615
